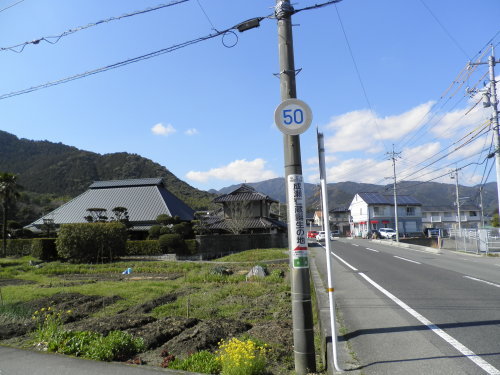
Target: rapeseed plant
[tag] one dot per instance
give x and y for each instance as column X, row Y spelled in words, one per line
column 242, row 357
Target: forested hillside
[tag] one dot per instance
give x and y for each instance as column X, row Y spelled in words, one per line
column 63, row 171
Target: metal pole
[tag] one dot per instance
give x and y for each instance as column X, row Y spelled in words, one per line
column 482, row 210
column 458, row 202
column 393, row 157
column 329, row 266
column 494, row 119
column 303, row 332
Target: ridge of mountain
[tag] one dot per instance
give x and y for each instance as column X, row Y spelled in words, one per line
column 340, row 194
column 55, row 168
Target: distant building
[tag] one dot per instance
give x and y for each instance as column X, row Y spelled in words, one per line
column 144, row 200
column 245, row 210
column 340, row 220
column 371, row 211
column 318, row 218
column 446, row 217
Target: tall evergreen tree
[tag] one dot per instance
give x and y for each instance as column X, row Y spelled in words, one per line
column 9, row 192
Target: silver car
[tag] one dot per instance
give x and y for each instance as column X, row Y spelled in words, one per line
column 387, row 233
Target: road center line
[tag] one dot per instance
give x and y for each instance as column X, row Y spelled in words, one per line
column 367, row 248
column 438, row 331
column 408, row 260
column 354, row 244
column 482, row 281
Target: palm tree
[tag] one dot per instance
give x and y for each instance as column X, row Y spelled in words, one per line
column 9, row 192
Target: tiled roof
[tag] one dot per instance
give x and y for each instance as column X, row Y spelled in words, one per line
column 143, row 201
column 251, row 223
column 243, row 193
column 377, row 198
column 126, row 183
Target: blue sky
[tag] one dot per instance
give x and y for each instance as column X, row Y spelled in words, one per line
column 206, row 111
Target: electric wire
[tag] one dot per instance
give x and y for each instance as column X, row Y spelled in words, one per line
column 10, row 6
column 444, row 29
column 18, row 48
column 206, row 15
column 359, row 75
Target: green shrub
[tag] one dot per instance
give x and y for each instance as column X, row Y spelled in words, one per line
column 171, row 244
column 19, row 247
column 117, row 345
column 166, row 230
column 203, row 362
column 91, row 242
column 191, row 247
column 154, row 232
column 44, row 248
column 148, row 247
column 185, row 230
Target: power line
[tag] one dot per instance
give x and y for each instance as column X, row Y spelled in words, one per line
column 359, row 75
column 444, row 29
column 18, row 48
column 10, row 6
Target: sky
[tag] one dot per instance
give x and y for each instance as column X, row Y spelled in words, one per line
column 378, row 76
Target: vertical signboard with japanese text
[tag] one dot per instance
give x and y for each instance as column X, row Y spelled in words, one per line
column 297, row 215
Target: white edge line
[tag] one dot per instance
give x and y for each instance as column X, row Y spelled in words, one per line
column 408, row 260
column 343, row 261
column 367, row 248
column 438, row 331
column 482, row 281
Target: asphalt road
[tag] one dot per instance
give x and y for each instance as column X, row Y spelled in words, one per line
column 414, row 312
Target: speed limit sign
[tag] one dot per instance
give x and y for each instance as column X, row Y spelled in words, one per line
column 293, row 117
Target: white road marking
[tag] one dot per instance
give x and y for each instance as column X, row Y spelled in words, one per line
column 438, row 331
column 367, row 248
column 354, row 244
column 343, row 261
column 482, row 281
column 408, row 260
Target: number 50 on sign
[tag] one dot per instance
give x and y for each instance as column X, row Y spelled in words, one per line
column 293, row 117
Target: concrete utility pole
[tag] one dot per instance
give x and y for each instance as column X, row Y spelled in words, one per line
column 393, row 156
column 303, row 333
column 481, row 203
column 490, row 100
column 458, row 199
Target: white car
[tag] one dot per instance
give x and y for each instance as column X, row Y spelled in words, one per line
column 320, row 236
column 387, row 233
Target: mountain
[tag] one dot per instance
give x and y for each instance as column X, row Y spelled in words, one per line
column 340, row 194
column 46, row 167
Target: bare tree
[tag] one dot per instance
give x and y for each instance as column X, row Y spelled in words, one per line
column 237, row 215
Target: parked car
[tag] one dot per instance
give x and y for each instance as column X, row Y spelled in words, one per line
column 334, row 233
column 312, row 234
column 320, row 236
column 387, row 233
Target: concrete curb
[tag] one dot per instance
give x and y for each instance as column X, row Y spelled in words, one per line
column 323, row 310
column 409, row 246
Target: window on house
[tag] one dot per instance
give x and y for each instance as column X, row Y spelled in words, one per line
column 472, row 213
column 361, row 211
column 376, row 211
column 410, row 211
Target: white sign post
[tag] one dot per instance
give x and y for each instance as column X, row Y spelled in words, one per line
column 297, row 208
column 293, row 117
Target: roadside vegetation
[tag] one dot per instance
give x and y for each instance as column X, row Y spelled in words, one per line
column 98, row 312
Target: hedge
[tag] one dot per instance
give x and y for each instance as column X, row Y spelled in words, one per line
column 191, row 247
column 18, row 247
column 172, row 244
column 148, row 247
column 91, row 242
column 44, row 248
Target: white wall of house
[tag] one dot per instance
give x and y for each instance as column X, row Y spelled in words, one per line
column 449, row 219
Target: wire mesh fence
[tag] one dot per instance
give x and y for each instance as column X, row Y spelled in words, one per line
column 479, row 241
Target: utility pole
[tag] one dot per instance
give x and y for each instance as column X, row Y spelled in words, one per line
column 393, row 156
column 458, row 199
column 481, row 203
column 490, row 100
column 303, row 333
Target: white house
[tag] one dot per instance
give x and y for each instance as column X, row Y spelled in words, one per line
column 446, row 217
column 371, row 211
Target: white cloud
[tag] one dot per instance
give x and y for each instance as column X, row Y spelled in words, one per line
column 160, row 129
column 238, row 170
column 191, row 131
column 363, row 130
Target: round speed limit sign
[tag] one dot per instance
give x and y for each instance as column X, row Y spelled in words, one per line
column 293, row 117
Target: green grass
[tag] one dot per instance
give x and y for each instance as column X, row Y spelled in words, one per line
column 257, row 255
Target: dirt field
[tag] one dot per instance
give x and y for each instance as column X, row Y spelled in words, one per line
column 175, row 335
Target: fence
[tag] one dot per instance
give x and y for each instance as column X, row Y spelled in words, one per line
column 479, row 241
